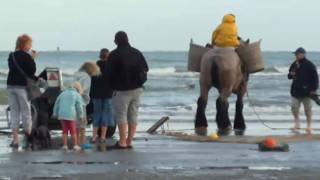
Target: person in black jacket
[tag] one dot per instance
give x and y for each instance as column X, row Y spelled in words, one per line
column 126, row 70
column 101, row 94
column 305, row 83
column 20, row 107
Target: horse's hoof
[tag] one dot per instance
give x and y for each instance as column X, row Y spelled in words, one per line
column 224, row 132
column 239, row 132
column 201, row 131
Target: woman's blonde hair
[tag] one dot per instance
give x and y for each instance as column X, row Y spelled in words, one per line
column 91, row 68
column 22, row 41
column 77, row 86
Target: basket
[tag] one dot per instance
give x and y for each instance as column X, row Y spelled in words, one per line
column 195, row 55
column 252, row 57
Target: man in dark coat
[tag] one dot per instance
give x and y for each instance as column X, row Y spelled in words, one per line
column 126, row 70
column 305, row 83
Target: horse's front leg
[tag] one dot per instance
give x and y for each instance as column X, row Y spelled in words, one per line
column 222, row 117
column 201, row 123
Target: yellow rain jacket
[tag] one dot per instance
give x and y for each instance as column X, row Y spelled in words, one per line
column 226, row 34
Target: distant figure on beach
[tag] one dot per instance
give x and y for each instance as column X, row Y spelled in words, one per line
column 305, row 83
column 101, row 94
column 226, row 34
column 20, row 108
column 69, row 109
column 83, row 76
column 126, row 71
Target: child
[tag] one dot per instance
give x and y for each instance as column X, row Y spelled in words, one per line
column 68, row 108
column 226, row 34
column 101, row 95
column 83, row 76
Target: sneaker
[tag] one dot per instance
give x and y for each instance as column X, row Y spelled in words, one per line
column 86, row 146
column 64, row 148
column 77, row 148
column 14, row 145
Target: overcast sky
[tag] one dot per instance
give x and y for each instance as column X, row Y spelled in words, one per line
column 157, row 24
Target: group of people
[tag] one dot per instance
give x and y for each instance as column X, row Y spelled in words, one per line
column 114, row 84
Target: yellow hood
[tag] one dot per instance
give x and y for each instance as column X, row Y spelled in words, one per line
column 229, row 18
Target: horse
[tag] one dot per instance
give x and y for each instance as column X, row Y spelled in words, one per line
column 222, row 68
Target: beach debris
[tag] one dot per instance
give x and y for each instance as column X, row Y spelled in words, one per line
column 214, row 136
column 159, row 123
column 271, row 144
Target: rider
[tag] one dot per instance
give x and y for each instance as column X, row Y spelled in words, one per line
column 226, row 34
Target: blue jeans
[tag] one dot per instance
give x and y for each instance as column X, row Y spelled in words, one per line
column 102, row 113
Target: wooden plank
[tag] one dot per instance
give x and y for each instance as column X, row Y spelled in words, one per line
column 154, row 127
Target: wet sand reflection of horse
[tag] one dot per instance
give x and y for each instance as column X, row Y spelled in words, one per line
column 222, row 68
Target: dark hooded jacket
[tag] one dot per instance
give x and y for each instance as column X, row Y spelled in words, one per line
column 100, row 87
column 305, row 80
column 126, row 68
column 26, row 63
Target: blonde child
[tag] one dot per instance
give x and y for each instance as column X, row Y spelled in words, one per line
column 83, row 76
column 68, row 109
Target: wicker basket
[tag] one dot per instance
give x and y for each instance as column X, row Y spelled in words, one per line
column 195, row 55
column 252, row 57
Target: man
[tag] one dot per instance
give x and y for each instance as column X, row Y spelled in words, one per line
column 126, row 71
column 305, row 83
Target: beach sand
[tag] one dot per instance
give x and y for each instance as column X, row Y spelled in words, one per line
column 163, row 157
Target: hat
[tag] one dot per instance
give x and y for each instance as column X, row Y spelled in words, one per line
column 300, row 50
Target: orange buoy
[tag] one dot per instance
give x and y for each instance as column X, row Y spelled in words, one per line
column 270, row 142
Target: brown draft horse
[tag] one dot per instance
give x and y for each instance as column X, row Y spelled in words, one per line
column 222, row 68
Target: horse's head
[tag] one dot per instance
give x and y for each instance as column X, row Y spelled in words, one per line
column 242, row 42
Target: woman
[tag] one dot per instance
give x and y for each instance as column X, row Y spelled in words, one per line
column 20, row 107
column 101, row 94
column 83, row 76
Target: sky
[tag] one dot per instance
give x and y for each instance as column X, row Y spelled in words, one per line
column 166, row 25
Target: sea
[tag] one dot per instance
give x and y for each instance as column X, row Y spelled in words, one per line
column 171, row 90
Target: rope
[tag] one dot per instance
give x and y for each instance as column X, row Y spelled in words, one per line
column 256, row 113
column 268, row 126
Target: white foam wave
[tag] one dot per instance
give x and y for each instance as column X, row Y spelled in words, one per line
column 170, row 71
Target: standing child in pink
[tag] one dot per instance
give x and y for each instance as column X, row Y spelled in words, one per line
column 69, row 110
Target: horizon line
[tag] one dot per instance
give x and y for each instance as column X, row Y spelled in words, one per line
column 150, row 51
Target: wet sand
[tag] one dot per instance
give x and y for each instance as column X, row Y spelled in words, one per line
column 163, row 157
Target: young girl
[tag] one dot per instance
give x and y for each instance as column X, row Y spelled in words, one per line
column 68, row 108
column 83, row 76
column 226, row 34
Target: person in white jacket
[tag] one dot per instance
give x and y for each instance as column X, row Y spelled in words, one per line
column 83, row 76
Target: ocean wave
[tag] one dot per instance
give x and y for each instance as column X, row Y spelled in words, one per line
column 171, row 71
column 273, row 71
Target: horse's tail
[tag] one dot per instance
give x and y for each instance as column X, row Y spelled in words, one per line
column 215, row 74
